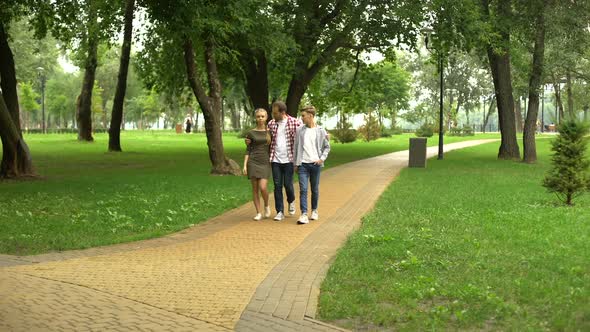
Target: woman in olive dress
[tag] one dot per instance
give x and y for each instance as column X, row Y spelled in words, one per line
column 257, row 162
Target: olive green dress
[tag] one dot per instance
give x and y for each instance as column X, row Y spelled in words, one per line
column 259, row 155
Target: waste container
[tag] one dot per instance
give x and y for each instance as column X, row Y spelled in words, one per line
column 179, row 128
column 417, row 152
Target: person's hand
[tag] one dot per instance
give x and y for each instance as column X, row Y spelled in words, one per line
column 245, row 170
column 248, row 141
column 328, row 136
column 318, row 162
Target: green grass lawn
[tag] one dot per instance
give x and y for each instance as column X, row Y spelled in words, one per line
column 160, row 184
column 470, row 243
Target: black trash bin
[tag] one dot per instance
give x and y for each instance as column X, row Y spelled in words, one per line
column 417, row 152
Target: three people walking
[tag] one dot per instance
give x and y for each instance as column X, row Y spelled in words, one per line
column 291, row 146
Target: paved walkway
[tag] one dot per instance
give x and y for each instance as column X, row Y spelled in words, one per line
column 228, row 273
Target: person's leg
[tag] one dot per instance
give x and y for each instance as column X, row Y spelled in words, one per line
column 314, row 178
column 303, row 180
column 288, row 172
column 277, row 177
column 262, row 185
column 255, row 195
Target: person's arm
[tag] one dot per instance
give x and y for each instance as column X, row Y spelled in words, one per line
column 325, row 148
column 245, row 169
column 295, row 149
column 247, row 156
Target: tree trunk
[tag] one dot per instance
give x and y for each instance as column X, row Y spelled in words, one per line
column 304, row 71
column 8, row 79
column 518, row 113
column 586, row 112
column 16, row 158
column 84, row 104
column 558, row 103
column 117, row 113
column 500, row 68
column 530, row 128
column 490, row 110
column 210, row 105
column 570, row 95
column 235, row 116
column 503, row 85
column 255, row 68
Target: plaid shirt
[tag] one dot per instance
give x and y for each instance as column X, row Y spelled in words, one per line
column 290, row 129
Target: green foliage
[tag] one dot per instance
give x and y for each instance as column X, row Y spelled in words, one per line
column 468, row 131
column 28, row 98
column 426, row 130
column 390, row 132
column 569, row 178
column 60, row 95
column 31, row 53
column 371, row 129
column 464, row 131
column 490, row 253
column 344, row 132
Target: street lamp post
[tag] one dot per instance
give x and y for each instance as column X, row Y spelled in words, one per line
column 41, row 73
column 440, row 115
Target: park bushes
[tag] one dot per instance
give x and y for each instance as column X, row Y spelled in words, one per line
column 426, row 130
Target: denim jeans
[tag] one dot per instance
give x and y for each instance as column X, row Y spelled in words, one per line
column 309, row 173
column 282, row 175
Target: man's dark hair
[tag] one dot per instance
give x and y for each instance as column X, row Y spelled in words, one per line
column 282, row 107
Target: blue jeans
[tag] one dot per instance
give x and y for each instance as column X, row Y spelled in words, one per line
column 309, row 173
column 282, row 175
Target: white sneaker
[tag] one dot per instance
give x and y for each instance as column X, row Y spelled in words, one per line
column 292, row 208
column 303, row 219
column 267, row 212
column 258, row 217
column 280, row 216
column 314, row 215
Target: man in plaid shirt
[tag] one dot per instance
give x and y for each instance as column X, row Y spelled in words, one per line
column 282, row 130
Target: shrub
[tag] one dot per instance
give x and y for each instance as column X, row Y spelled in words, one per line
column 344, row 135
column 390, row 132
column 455, row 131
column 468, row 131
column 426, row 130
column 371, row 130
column 568, row 177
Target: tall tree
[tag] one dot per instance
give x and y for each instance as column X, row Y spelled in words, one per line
column 530, row 127
column 117, row 114
column 81, row 26
column 327, row 31
column 16, row 158
column 499, row 16
column 195, row 29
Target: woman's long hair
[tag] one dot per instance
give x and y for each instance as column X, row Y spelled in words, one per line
column 259, row 110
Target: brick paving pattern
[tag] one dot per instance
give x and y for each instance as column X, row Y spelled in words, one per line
column 228, row 273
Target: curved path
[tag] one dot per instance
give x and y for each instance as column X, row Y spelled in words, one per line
column 228, row 273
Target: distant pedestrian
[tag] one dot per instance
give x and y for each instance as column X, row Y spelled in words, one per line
column 188, row 123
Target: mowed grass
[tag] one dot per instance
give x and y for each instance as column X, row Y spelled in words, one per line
column 470, row 243
column 160, row 184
